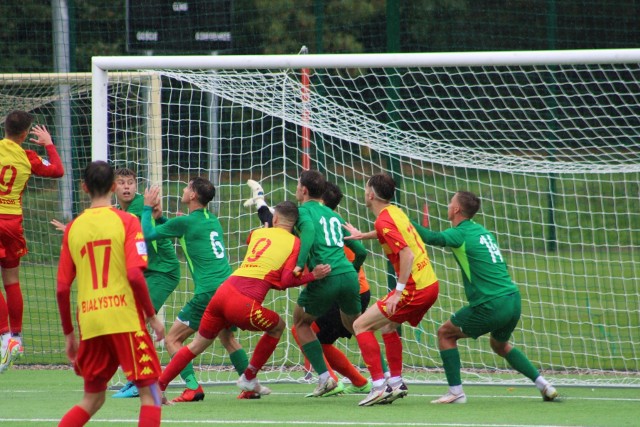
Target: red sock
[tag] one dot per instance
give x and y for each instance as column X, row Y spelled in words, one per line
column 15, row 305
column 75, row 417
column 370, row 350
column 4, row 315
column 263, row 351
column 177, row 364
column 393, row 346
column 340, row 363
column 332, row 374
column 149, row 416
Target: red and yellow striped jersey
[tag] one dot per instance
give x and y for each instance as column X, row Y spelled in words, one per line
column 16, row 167
column 396, row 232
column 98, row 248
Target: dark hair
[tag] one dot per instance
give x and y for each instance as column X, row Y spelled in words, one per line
column 125, row 172
column 288, row 211
column 314, row 181
column 332, row 195
column 17, row 122
column 383, row 185
column 98, row 177
column 204, row 189
column 469, row 203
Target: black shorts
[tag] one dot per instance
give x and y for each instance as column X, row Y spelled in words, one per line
column 330, row 323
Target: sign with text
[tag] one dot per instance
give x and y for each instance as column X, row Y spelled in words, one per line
column 189, row 26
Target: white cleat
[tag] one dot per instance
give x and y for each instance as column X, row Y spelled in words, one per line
column 549, row 393
column 376, row 395
column 451, row 398
column 248, row 385
column 324, row 387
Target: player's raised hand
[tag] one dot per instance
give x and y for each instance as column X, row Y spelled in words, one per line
column 60, row 226
column 157, row 208
column 43, row 137
column 321, row 271
column 151, row 195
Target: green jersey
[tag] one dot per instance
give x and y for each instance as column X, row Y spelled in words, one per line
column 161, row 252
column 322, row 240
column 201, row 239
column 484, row 272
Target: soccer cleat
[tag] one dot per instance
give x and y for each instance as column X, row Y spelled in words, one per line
column 248, row 385
column 451, row 398
column 352, row 389
column 338, row 390
column 398, row 391
column 263, row 391
column 249, row 395
column 256, row 193
column 129, row 390
column 549, row 393
column 324, row 387
column 11, row 353
column 189, row 395
column 376, row 395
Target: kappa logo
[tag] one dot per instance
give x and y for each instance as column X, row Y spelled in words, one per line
column 146, row 371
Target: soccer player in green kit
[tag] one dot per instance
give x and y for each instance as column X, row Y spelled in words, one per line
column 201, row 237
column 494, row 300
column 322, row 242
column 163, row 270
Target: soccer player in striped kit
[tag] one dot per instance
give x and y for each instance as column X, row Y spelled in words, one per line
column 104, row 250
column 268, row 264
column 416, row 290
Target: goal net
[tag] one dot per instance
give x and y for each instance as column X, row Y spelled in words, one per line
column 549, row 140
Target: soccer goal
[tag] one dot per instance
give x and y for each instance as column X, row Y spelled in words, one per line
column 549, row 140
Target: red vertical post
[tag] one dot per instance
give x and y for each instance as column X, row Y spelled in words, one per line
column 306, row 115
column 425, row 215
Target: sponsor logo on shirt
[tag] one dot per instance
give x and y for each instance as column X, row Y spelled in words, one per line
column 103, row 303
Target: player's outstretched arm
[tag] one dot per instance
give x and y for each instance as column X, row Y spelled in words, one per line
column 355, row 234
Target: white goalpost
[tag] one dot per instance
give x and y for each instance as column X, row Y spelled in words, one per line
column 550, row 140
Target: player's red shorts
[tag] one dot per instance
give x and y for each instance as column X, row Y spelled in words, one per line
column 412, row 306
column 229, row 307
column 99, row 358
column 12, row 243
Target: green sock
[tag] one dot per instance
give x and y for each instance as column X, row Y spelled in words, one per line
column 239, row 360
column 189, row 376
column 313, row 351
column 383, row 359
column 522, row 364
column 451, row 362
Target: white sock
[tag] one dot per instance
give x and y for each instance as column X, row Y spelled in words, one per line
column 394, row 381
column 377, row 383
column 455, row 389
column 541, row 383
column 323, row 376
column 5, row 341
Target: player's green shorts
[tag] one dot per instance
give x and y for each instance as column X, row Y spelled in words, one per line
column 318, row 296
column 161, row 285
column 192, row 312
column 498, row 316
